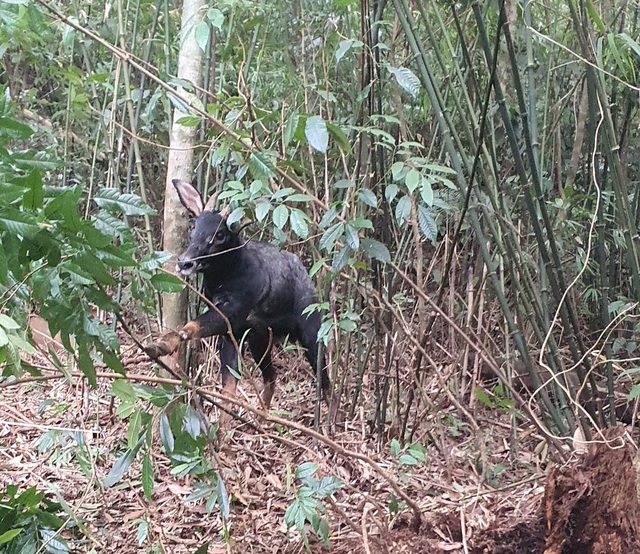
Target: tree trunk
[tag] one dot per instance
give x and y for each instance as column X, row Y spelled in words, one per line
column 180, row 166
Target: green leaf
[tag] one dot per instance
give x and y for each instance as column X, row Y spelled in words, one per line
column 262, row 209
column 427, row 193
column 345, row 46
column 298, row 222
column 390, row 192
column 201, row 35
column 341, row 259
column 376, row 250
column 412, row 179
column 290, row 129
column 122, row 464
column 191, row 423
column 9, row 535
column 330, row 236
column 143, row 532
column 408, row 460
column 403, row 210
column 165, row 282
column 235, row 216
column 351, row 237
column 18, row 223
column 166, row 435
column 397, row 170
column 367, row 197
column 135, row 424
column 7, row 322
column 306, row 469
column 215, row 17
column 595, row 17
column 328, row 485
column 427, row 224
column 223, row 498
column 316, row 132
column 280, row 216
column 299, row 197
column 128, row 204
column 260, row 166
column 406, row 79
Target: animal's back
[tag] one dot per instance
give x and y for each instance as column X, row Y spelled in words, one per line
column 287, row 288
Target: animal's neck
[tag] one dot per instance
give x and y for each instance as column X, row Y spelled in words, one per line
column 225, row 265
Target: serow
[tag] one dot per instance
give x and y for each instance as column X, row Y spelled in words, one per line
column 259, row 294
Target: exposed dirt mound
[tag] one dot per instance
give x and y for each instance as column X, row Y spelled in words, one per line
column 593, row 507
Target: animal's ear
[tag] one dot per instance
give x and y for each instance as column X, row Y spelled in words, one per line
column 211, row 203
column 189, row 197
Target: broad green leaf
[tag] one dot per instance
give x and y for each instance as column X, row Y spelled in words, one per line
column 367, row 197
column 306, row 469
column 165, row 282
column 426, row 192
column 280, row 216
column 133, row 431
column 351, row 237
column 412, row 179
column 328, row 217
column 340, row 138
column 166, row 435
column 427, row 223
column 341, row 259
column 215, row 17
column 122, row 464
column 143, row 532
column 376, row 250
column 223, row 498
column 298, row 223
column 330, row 236
column 260, row 166
column 128, row 204
column 403, row 210
column 18, row 223
column 299, row 197
column 235, row 216
column 202, row 35
column 390, row 192
column 345, row 46
column 21, row 130
column 290, row 129
column 262, row 209
column 406, row 79
column 191, row 423
column 8, row 323
column 9, row 535
column 316, row 132
column 328, row 485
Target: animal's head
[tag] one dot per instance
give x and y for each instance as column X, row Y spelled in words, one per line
column 210, row 235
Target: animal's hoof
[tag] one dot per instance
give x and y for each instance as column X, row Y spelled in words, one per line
column 157, row 349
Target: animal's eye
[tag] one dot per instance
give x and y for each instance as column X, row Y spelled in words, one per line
column 220, row 235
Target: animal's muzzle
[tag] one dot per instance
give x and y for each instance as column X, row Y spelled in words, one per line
column 187, row 266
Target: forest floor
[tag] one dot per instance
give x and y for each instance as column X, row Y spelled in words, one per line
column 475, row 492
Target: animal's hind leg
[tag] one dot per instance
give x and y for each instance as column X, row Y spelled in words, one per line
column 261, row 343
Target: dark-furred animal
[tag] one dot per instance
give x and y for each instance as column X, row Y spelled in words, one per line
column 256, row 290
